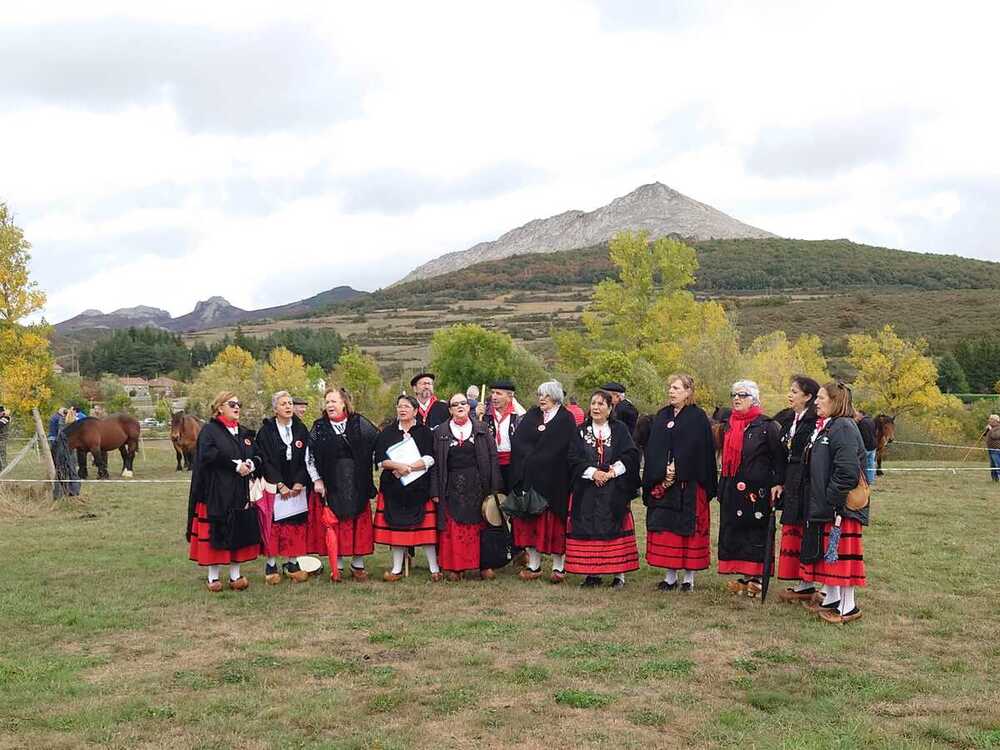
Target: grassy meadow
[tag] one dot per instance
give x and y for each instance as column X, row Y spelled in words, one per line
column 110, row 640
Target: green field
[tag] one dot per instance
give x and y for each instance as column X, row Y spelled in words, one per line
column 110, row 640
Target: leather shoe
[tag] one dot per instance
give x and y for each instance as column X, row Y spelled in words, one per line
column 435, row 577
column 239, row 584
column 391, row 577
column 790, row 596
column 736, row 587
column 215, row 586
column 359, row 574
column 487, row 574
column 527, row 574
column 558, row 576
column 454, row 576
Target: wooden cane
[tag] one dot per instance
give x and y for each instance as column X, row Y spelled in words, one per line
column 971, row 448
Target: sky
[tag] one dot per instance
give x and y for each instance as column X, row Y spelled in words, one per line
column 159, row 154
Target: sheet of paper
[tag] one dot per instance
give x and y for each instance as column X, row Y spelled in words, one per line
column 406, row 452
column 292, row 505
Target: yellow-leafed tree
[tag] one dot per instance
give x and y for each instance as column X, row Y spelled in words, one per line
column 772, row 360
column 895, row 376
column 233, row 370
column 286, row 371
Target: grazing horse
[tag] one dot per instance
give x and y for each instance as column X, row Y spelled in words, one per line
column 885, row 433
column 98, row 436
column 184, row 431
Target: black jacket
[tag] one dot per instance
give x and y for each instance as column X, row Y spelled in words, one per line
column 598, row 512
column 489, row 420
column 626, row 412
column 688, row 442
column 214, row 481
column 437, row 414
column 539, row 457
column 790, row 502
column 403, row 505
column 836, row 460
column 352, row 499
column 272, row 450
column 486, row 462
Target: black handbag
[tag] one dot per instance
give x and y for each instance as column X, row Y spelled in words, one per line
column 524, row 503
column 494, row 546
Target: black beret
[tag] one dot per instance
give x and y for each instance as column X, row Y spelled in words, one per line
column 503, row 384
column 300, row 402
column 613, row 387
column 418, row 376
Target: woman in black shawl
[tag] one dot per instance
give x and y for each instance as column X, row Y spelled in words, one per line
column 222, row 523
column 540, row 464
column 405, row 515
column 600, row 532
column 281, row 444
column 678, row 481
column 795, row 436
column 339, row 461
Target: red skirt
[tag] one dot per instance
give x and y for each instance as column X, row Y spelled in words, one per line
column 201, row 550
column 422, row 533
column 279, row 538
column 849, row 570
column 458, row 544
column 595, row 557
column 788, row 556
column 354, row 535
column 545, row 532
column 741, row 567
column 315, row 530
column 665, row 549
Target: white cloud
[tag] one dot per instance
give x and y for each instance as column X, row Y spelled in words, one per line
column 349, row 143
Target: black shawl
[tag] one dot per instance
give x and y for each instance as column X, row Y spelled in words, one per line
column 348, row 488
column 539, row 457
column 214, row 481
column 790, row 502
column 486, row 463
column 404, row 505
column 598, row 512
column 275, row 467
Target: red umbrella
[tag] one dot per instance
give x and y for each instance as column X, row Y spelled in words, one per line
column 330, row 523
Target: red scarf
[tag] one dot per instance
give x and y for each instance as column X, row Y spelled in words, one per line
column 498, row 418
column 230, row 423
column 341, row 418
column 732, row 448
column 461, row 441
column 424, row 412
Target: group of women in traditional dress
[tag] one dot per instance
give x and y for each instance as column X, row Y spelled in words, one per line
column 568, row 487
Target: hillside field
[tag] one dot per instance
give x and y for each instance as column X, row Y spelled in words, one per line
column 111, row 641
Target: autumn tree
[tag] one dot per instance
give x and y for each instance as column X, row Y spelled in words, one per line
column 648, row 318
column 895, row 376
column 359, row 374
column 234, row 369
column 467, row 354
column 772, row 360
column 285, row 371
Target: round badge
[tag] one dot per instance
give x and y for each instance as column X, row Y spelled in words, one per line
column 741, row 486
column 541, row 428
column 298, row 443
column 246, row 441
column 758, row 515
column 670, row 425
column 739, row 513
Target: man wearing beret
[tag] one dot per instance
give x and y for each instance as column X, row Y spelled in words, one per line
column 622, row 408
column 430, row 411
column 501, row 416
column 299, row 406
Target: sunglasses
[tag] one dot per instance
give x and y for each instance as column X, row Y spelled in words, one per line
column 459, row 403
column 233, row 404
column 741, row 395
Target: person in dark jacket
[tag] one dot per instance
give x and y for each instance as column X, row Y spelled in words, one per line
column 501, row 417
column 430, row 410
column 678, row 481
column 600, row 530
column 836, row 458
column 540, row 463
column 4, row 432
column 796, row 432
column 222, row 522
column 281, row 443
column 405, row 515
column 624, row 410
column 339, row 461
column 465, row 471
column 866, row 426
column 753, row 475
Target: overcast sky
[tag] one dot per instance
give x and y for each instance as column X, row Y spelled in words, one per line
column 159, row 154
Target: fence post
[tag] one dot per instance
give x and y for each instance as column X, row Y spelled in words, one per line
column 43, row 442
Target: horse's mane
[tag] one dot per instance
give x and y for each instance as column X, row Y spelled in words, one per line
column 72, row 427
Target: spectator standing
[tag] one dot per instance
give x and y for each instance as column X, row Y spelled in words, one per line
column 992, row 435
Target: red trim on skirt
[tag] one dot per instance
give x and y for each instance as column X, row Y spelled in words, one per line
column 278, row 538
column 545, row 532
column 849, row 570
column 595, row 557
column 788, row 556
column 665, row 549
column 200, row 549
column 422, row 533
column 741, row 567
column 458, row 544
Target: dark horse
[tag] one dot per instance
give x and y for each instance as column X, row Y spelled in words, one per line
column 885, row 433
column 184, row 431
column 720, row 423
column 98, row 436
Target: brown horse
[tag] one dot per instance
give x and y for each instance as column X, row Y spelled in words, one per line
column 885, row 433
column 720, row 423
column 98, row 436
column 184, row 431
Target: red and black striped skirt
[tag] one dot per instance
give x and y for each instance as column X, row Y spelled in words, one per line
column 788, row 555
column 665, row 549
column 595, row 557
column 545, row 532
column 200, row 548
column 422, row 533
column 458, row 543
column 849, row 570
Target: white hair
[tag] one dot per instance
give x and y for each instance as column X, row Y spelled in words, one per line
column 277, row 397
column 553, row 389
column 472, row 391
column 750, row 387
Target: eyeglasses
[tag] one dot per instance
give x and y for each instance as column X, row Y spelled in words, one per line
column 741, row 395
column 233, row 404
column 459, row 403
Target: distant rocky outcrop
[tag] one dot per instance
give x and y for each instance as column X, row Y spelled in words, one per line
column 656, row 208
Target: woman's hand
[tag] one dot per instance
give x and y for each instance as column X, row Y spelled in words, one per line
column 776, row 492
column 297, row 488
column 282, row 489
column 601, row 477
column 243, row 469
column 320, row 488
column 480, row 410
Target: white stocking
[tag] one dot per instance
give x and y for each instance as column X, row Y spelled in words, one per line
column 620, row 577
column 272, row 561
column 831, row 594
column 358, row 562
column 398, row 553
column 234, row 572
column 846, row 599
column 534, row 558
column 689, row 578
column 213, row 572
column 671, row 577
column 804, row 586
column 432, row 558
column 558, row 562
